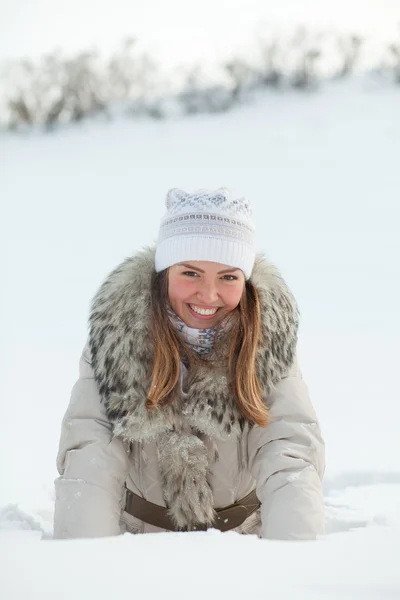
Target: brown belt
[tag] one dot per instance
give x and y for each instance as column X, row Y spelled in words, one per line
column 227, row 518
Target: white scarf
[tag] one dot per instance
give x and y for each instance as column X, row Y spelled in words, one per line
column 201, row 341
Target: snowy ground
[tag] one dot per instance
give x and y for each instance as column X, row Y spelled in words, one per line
column 359, row 566
column 322, row 171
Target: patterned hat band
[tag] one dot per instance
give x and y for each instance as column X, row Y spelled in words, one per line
column 224, row 235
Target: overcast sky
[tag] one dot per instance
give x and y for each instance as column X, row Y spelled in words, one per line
column 176, row 28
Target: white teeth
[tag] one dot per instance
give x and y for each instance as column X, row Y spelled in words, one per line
column 203, row 311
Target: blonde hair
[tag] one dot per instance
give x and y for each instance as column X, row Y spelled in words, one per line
column 244, row 341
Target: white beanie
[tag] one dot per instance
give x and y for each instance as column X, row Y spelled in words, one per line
column 206, row 225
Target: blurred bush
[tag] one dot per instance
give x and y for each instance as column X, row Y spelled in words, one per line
column 57, row 90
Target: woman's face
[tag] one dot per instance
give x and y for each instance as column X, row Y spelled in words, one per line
column 202, row 293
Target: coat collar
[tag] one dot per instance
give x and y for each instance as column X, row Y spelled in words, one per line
column 122, row 346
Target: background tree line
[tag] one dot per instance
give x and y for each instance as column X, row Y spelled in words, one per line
column 57, row 90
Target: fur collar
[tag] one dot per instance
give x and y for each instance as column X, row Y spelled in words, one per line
column 122, row 351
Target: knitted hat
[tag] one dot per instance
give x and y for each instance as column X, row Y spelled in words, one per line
column 206, row 225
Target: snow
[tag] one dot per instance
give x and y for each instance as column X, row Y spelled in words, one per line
column 322, row 172
column 362, row 565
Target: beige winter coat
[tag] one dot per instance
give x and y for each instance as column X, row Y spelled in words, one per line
column 199, row 453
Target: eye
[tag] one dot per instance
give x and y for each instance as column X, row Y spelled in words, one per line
column 230, row 277
column 190, row 273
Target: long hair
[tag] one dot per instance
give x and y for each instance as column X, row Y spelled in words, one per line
column 169, row 349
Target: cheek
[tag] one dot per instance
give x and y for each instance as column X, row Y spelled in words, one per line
column 177, row 291
column 233, row 296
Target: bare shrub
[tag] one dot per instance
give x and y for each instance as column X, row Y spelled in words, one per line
column 55, row 90
column 134, row 78
column 200, row 95
column 305, row 50
column 84, row 92
column 349, row 48
column 271, row 72
column 242, row 77
column 394, row 50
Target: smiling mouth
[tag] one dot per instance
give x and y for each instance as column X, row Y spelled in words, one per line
column 203, row 312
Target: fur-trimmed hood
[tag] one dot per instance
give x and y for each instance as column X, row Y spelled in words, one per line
column 122, row 353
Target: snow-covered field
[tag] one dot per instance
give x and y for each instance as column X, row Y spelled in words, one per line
column 322, row 172
column 360, row 566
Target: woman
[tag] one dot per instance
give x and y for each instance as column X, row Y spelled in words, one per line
column 190, row 410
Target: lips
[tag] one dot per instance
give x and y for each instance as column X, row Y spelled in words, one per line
column 202, row 313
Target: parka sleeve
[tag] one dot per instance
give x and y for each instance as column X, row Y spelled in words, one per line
column 92, row 464
column 287, row 459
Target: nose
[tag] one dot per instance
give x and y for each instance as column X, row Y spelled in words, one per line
column 208, row 293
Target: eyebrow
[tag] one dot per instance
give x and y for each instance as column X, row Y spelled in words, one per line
column 201, row 270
